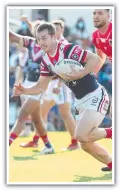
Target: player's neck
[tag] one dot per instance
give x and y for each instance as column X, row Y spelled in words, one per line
column 104, row 28
column 60, row 37
column 53, row 49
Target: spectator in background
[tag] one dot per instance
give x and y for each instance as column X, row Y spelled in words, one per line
column 79, row 31
column 86, row 44
column 17, row 56
column 66, row 33
column 105, row 77
column 24, row 30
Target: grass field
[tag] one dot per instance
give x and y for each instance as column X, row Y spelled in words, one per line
column 25, row 165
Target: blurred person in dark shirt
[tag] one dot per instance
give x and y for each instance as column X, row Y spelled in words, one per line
column 24, row 30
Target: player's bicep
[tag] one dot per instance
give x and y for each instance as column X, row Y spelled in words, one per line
column 93, row 62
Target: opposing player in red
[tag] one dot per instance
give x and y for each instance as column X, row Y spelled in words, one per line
column 91, row 98
column 102, row 38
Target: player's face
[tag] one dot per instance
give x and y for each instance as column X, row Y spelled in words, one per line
column 45, row 40
column 59, row 31
column 100, row 17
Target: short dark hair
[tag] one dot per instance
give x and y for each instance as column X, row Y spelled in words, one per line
column 46, row 26
column 107, row 10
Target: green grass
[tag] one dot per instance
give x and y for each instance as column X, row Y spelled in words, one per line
column 26, row 165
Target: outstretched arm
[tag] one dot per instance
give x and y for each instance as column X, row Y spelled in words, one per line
column 14, row 37
column 38, row 88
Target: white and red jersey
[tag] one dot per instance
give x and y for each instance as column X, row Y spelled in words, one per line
column 34, row 49
column 63, row 51
column 35, row 55
column 103, row 41
column 79, row 87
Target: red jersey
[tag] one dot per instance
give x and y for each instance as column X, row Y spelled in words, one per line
column 103, row 41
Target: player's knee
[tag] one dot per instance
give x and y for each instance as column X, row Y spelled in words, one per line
column 85, row 146
column 22, row 115
column 65, row 114
column 82, row 138
column 37, row 121
column 93, row 134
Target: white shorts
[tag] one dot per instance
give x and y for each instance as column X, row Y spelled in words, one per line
column 97, row 100
column 27, row 83
column 64, row 96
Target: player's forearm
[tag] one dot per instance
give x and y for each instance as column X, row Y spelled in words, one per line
column 34, row 90
column 101, row 55
column 18, row 75
column 93, row 63
column 13, row 37
column 18, row 38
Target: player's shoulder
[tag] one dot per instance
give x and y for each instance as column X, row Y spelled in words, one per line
column 94, row 34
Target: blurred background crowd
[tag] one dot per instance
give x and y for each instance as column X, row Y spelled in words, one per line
column 78, row 30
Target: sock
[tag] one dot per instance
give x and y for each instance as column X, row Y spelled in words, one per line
column 46, row 141
column 110, row 165
column 36, row 138
column 73, row 141
column 108, row 133
column 12, row 137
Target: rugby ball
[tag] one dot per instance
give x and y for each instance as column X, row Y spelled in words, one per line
column 65, row 66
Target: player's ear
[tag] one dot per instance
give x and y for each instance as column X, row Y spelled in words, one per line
column 55, row 36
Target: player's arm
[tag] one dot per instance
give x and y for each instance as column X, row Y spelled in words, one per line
column 18, row 75
column 32, row 25
column 101, row 55
column 57, row 87
column 38, row 88
column 19, row 39
column 92, row 63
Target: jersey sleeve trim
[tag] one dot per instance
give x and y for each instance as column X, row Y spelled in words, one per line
column 45, row 70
